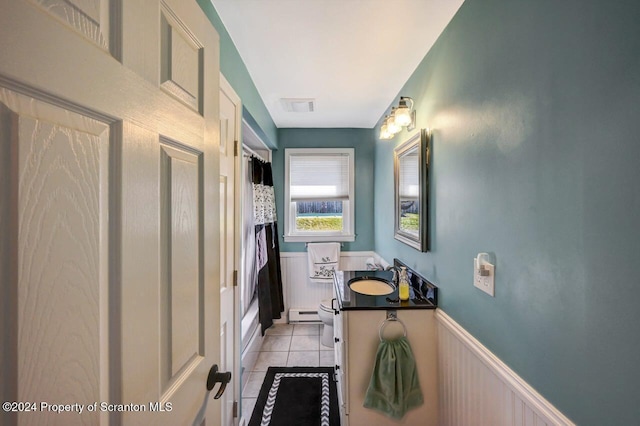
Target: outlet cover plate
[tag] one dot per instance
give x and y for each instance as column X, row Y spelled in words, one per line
column 485, row 283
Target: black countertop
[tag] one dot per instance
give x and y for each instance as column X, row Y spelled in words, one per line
column 425, row 298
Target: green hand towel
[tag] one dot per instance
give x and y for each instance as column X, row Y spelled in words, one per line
column 394, row 388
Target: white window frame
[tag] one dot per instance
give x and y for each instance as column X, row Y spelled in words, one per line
column 348, row 207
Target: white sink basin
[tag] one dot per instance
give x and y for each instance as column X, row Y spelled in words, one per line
column 371, row 286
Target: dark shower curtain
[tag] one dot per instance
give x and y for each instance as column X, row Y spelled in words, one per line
column 270, row 298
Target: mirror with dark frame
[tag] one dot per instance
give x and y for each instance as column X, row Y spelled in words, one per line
column 411, row 175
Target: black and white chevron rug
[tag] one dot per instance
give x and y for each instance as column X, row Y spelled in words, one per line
column 297, row 396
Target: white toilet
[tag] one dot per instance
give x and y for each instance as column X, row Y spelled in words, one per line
column 325, row 312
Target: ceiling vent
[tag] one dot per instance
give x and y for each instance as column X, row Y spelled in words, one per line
column 298, row 104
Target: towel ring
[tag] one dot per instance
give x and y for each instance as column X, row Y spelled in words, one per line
column 386, row 321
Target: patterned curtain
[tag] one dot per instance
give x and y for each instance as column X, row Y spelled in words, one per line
column 270, row 297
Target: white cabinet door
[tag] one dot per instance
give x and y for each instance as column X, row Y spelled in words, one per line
column 339, row 351
column 108, row 210
column 362, row 340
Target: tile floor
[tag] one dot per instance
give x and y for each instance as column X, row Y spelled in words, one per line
column 286, row 345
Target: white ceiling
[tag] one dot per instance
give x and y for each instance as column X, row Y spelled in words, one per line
column 351, row 56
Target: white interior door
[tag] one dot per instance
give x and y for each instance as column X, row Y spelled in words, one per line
column 108, row 211
column 230, row 119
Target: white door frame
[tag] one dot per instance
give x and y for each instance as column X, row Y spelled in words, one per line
column 225, row 87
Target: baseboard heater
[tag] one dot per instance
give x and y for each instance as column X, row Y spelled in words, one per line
column 303, row 315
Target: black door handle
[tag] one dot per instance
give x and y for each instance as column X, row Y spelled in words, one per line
column 217, row 377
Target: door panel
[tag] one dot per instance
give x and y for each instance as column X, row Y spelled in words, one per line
column 182, row 284
column 89, row 18
column 61, row 160
column 181, row 58
column 111, row 182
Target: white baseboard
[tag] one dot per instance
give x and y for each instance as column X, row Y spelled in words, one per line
column 476, row 387
column 302, row 316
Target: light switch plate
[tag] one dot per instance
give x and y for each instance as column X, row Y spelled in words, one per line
column 485, row 283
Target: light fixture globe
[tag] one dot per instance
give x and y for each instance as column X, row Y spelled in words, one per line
column 403, row 112
column 392, row 126
column 384, row 130
column 403, row 117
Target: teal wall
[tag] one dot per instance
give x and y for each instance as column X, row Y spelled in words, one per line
column 534, row 108
column 363, row 142
column 235, row 71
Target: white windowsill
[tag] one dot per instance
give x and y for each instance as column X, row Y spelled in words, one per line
column 318, row 238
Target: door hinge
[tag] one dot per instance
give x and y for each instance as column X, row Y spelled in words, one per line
column 235, row 148
column 235, row 409
column 235, row 278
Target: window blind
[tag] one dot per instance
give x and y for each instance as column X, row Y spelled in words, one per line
column 319, row 177
column 409, row 180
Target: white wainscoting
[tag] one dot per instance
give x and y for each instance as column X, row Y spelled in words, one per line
column 299, row 292
column 476, row 388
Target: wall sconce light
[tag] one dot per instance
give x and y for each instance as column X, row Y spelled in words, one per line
column 405, row 114
column 392, row 124
column 384, row 129
column 401, row 116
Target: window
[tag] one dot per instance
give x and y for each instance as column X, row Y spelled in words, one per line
column 409, row 192
column 319, row 196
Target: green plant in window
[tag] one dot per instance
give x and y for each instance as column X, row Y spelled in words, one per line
column 410, row 222
column 319, row 223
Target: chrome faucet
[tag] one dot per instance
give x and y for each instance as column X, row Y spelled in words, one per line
column 395, row 270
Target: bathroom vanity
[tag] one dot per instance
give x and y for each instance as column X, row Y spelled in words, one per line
column 357, row 322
